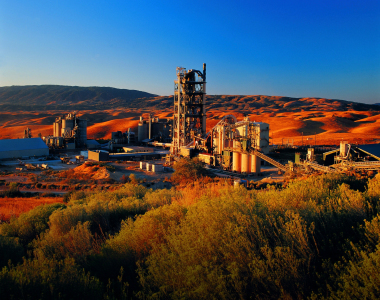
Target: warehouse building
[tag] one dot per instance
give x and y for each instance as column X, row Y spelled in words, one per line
column 98, row 155
column 16, row 148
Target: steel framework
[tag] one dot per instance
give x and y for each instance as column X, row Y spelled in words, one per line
column 189, row 107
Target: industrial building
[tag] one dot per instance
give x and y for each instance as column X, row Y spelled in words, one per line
column 68, row 131
column 18, row 148
column 348, row 157
column 231, row 145
column 98, row 155
column 152, row 167
column 189, row 119
column 154, row 129
column 120, row 139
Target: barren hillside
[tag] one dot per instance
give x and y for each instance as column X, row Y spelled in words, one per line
column 307, row 120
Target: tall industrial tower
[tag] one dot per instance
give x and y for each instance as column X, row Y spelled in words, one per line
column 189, row 107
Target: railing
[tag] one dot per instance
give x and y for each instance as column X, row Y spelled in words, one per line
column 365, row 163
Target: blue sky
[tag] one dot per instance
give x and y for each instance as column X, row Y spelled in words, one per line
column 305, row 48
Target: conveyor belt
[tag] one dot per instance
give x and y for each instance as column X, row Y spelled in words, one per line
column 270, row 160
column 319, row 167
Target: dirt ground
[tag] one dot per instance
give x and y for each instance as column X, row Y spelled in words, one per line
column 132, row 167
column 101, row 173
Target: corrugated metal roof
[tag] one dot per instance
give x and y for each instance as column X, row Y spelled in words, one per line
column 22, row 144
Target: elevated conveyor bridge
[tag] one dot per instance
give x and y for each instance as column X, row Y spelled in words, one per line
column 269, row 160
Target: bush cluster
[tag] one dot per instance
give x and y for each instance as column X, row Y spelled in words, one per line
column 317, row 238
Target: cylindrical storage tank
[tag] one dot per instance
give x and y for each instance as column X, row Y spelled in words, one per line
column 255, row 164
column 343, row 148
column 56, row 131
column 220, row 143
column 236, row 162
column 150, row 128
column 59, row 128
column 82, row 134
column 245, row 163
column 142, row 131
column 157, row 168
column 63, row 129
column 258, row 164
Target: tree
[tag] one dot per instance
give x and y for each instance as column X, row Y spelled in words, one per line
column 188, row 170
column 133, row 178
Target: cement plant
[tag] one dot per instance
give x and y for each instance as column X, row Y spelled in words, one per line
column 232, row 148
column 186, row 204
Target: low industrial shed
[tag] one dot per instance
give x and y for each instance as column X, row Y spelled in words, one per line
column 16, row 148
column 98, row 155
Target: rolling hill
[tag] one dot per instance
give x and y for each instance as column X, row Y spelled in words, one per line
column 57, row 97
column 319, row 120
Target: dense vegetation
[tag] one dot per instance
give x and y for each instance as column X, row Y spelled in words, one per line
column 317, row 238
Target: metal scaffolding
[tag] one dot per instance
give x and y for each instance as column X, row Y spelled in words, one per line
column 189, row 107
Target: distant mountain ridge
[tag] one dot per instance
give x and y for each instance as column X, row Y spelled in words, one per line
column 58, row 97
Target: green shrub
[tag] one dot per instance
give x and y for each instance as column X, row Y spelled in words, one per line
column 13, row 190
column 228, row 248
column 206, row 240
column 105, row 210
column 29, row 225
column 74, row 196
column 78, row 243
column 357, row 274
column 10, row 249
column 48, row 279
column 158, row 198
